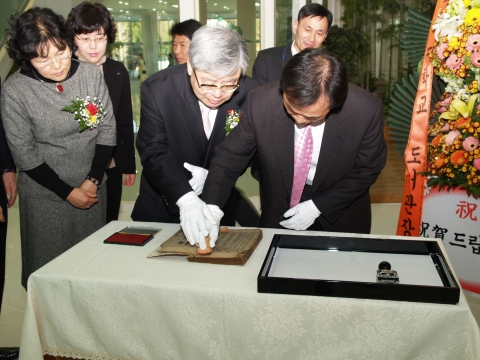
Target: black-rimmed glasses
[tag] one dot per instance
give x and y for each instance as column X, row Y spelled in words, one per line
column 208, row 88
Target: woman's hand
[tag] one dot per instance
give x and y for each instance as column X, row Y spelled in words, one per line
column 89, row 186
column 82, row 199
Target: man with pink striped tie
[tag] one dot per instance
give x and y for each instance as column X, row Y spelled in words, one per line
column 320, row 145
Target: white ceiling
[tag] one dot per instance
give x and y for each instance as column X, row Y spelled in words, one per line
column 133, row 8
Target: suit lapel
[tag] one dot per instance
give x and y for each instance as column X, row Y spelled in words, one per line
column 113, row 79
column 218, row 131
column 189, row 111
column 286, row 55
column 333, row 136
column 284, row 139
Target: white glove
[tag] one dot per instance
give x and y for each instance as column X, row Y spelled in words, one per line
column 199, row 175
column 215, row 228
column 301, row 216
column 195, row 219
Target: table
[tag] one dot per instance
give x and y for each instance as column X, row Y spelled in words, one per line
column 99, row 301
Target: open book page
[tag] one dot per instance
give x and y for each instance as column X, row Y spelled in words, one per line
column 233, row 247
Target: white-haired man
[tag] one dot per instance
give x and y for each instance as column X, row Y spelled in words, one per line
column 183, row 114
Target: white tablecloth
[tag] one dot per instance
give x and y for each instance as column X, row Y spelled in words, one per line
column 99, row 301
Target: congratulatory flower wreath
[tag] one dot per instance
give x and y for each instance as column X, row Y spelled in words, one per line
column 453, row 157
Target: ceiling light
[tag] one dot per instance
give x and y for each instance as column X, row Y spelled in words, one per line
column 257, row 4
column 109, row 9
column 175, row 6
column 120, row 2
column 126, row 3
column 154, row 9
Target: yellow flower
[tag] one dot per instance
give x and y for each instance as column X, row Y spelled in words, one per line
column 466, row 3
column 473, row 16
column 453, row 42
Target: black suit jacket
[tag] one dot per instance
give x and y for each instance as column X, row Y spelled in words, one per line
column 269, row 63
column 171, row 133
column 352, row 155
column 118, row 84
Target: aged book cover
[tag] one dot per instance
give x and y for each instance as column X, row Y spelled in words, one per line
column 233, row 247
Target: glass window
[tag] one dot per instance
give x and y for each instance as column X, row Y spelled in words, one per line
column 242, row 16
column 283, row 14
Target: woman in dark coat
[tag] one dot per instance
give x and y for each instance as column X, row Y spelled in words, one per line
column 94, row 27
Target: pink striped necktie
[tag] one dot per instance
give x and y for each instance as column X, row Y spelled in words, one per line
column 302, row 160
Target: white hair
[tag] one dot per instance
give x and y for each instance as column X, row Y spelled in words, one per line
column 218, row 51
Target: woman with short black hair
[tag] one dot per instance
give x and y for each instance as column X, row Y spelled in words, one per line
column 59, row 125
column 93, row 28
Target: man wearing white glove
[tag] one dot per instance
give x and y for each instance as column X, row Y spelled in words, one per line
column 183, row 114
column 320, row 146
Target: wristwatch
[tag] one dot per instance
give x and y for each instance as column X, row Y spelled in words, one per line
column 93, row 180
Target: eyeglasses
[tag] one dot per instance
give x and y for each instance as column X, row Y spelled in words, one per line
column 59, row 59
column 97, row 39
column 209, row 88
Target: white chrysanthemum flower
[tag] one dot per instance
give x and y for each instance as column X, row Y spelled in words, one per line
column 448, row 26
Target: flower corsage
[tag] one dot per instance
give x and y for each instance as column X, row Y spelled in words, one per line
column 89, row 112
column 233, row 118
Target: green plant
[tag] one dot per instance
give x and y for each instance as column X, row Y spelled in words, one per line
column 351, row 45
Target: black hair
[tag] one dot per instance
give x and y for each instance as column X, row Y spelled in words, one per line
column 30, row 34
column 187, row 28
column 86, row 18
column 315, row 10
column 312, row 74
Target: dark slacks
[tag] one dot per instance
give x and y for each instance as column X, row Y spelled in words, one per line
column 114, row 193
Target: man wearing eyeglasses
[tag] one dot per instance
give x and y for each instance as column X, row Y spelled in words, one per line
column 183, row 114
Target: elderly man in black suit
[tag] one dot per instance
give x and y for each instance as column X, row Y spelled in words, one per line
column 8, row 194
column 310, row 29
column 320, row 144
column 183, row 114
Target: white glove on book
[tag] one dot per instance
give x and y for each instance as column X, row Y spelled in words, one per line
column 195, row 219
column 199, row 175
column 301, row 216
column 215, row 228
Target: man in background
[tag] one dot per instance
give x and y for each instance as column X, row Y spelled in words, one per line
column 8, row 194
column 182, row 35
column 310, row 29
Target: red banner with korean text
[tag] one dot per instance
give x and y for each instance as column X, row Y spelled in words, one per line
column 410, row 218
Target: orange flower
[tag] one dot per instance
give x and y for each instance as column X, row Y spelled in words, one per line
column 440, row 162
column 436, row 140
column 458, row 157
column 463, row 123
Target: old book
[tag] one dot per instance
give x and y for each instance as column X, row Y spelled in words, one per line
column 233, row 247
